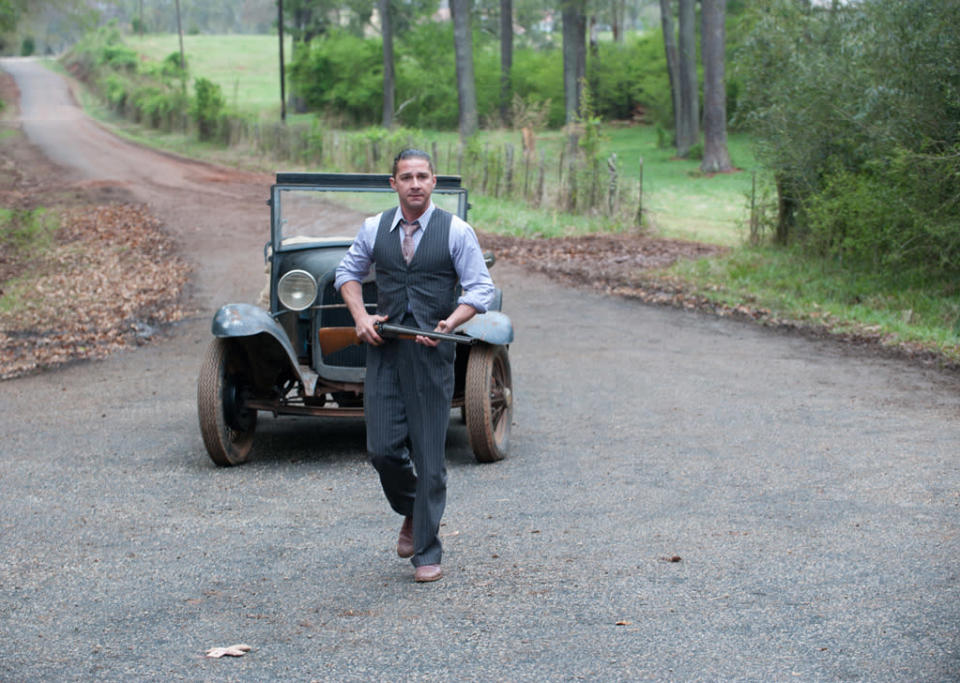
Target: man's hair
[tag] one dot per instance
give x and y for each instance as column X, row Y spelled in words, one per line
column 411, row 154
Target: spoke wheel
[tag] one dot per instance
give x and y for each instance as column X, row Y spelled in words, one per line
column 226, row 426
column 488, row 402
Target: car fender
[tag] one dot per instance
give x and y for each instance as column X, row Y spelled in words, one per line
column 262, row 333
column 492, row 327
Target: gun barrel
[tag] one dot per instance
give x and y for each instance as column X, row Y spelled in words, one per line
column 389, row 329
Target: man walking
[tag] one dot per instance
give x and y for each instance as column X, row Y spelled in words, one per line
column 421, row 253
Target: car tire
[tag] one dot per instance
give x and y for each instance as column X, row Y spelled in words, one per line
column 226, row 426
column 488, row 402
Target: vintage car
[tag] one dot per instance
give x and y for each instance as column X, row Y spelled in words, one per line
column 296, row 352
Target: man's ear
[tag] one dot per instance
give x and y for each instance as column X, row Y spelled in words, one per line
column 393, row 183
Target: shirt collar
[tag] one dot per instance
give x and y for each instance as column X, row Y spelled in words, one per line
column 423, row 220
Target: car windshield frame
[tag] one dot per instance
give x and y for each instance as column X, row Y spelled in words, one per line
column 300, row 204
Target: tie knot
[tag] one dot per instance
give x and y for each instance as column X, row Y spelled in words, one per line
column 409, row 228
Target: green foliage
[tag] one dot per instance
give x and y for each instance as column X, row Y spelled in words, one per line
column 115, row 91
column 9, row 15
column 857, row 113
column 630, row 80
column 538, row 77
column 589, row 124
column 120, row 57
column 426, row 77
column 149, row 92
column 27, row 229
column 341, row 73
column 27, row 46
column 170, row 67
column 207, row 108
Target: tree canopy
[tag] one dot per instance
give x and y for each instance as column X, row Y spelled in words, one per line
column 857, row 112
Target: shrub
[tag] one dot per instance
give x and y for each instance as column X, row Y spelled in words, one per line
column 119, row 57
column 630, row 80
column 538, row 80
column 856, row 113
column 341, row 73
column 207, row 108
column 427, row 78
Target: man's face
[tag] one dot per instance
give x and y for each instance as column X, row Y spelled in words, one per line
column 413, row 183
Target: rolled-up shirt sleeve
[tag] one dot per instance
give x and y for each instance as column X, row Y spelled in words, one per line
column 355, row 264
column 475, row 280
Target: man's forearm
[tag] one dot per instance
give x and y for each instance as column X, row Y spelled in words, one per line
column 352, row 293
column 460, row 315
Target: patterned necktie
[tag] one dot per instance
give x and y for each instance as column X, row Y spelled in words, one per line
column 407, row 246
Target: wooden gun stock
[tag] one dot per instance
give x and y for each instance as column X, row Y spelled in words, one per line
column 333, row 339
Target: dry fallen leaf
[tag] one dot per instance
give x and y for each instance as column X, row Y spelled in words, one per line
column 232, row 651
column 623, row 622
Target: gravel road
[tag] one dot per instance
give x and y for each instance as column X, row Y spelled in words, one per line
column 687, row 498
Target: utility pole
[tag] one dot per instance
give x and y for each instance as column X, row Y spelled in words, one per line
column 283, row 95
column 183, row 62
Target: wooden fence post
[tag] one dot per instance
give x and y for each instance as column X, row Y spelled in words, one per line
column 543, row 173
column 508, row 177
column 640, row 197
column 612, row 187
column 526, row 176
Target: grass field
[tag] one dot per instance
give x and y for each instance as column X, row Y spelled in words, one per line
column 246, row 67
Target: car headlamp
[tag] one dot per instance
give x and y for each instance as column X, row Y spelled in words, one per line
column 297, row 290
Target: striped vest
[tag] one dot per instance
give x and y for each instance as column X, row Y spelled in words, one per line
column 428, row 285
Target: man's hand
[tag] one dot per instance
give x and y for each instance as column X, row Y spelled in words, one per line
column 460, row 315
column 367, row 331
column 442, row 326
column 364, row 322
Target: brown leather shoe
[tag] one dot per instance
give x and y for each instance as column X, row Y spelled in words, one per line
column 428, row 572
column 405, row 542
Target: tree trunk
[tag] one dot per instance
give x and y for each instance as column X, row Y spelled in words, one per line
column 673, row 64
column 618, row 24
column 786, row 209
column 466, row 87
column 506, row 59
column 688, row 132
column 283, row 80
column 389, row 78
column 594, row 36
column 574, row 55
column 716, row 157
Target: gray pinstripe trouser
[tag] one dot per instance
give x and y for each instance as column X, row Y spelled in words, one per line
column 407, row 395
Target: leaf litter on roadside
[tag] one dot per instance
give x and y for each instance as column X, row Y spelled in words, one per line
column 111, row 276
